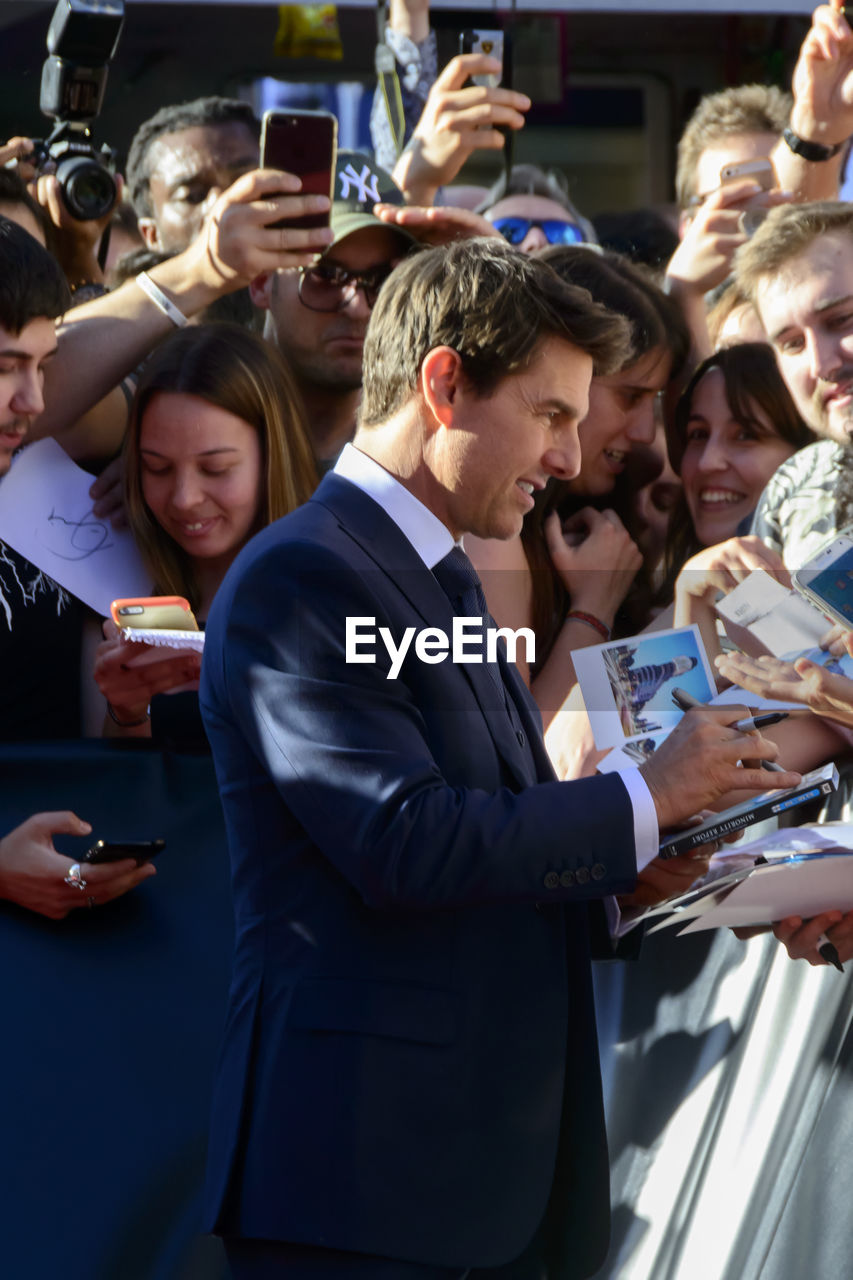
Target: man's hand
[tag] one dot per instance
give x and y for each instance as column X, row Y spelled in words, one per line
column 437, row 225
column 456, row 121
column 716, row 230
column 698, row 763
column 238, row 242
column 32, row 873
column 823, row 79
column 822, row 86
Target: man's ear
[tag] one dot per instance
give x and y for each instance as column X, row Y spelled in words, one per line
column 260, row 290
column 150, row 234
column 441, row 382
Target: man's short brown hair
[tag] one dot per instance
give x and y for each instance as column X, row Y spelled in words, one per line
column 743, row 108
column 492, row 305
column 786, row 232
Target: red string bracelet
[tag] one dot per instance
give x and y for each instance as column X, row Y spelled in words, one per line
column 591, row 621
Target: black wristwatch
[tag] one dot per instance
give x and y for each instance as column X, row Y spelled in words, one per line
column 815, row 152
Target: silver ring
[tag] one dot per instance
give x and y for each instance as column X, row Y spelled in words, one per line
column 75, row 877
column 90, row 901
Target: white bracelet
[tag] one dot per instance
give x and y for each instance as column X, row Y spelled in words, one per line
column 158, row 297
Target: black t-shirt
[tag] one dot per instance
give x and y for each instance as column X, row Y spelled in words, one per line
column 41, row 627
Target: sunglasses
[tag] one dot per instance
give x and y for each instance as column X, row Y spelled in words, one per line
column 515, row 229
column 327, row 287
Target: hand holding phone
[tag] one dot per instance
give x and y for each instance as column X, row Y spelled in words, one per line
column 170, row 613
column 458, row 119
column 760, row 170
column 303, row 143
column 117, row 850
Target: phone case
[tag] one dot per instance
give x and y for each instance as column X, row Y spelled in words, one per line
column 303, row 143
column 172, row 613
column 488, row 42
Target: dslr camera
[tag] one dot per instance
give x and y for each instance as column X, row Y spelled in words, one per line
column 81, row 43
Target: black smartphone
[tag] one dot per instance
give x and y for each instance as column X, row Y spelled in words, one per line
column 487, row 42
column 117, row 850
column 304, row 143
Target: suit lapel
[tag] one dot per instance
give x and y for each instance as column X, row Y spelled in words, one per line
column 363, row 520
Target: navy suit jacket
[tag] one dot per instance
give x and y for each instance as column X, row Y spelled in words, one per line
column 411, row 999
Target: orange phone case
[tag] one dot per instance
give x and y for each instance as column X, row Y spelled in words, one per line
column 161, row 613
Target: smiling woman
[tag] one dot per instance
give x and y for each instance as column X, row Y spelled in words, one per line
column 216, row 450
column 734, row 424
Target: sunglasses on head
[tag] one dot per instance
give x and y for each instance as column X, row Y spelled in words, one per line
column 515, row 229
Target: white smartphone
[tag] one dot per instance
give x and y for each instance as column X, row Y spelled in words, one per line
column 761, row 171
column 827, row 580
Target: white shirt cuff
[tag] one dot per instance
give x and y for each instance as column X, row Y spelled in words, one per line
column 646, row 830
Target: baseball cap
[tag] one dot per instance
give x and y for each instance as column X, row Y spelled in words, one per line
column 360, row 183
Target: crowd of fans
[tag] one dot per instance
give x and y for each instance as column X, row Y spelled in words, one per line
column 210, row 374
column 209, row 370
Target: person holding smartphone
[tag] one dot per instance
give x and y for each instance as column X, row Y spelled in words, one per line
column 35, row 876
column 217, row 448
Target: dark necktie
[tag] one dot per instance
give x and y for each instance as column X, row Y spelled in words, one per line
column 459, row 581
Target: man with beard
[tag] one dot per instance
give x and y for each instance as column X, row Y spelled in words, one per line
column 317, row 316
column 798, row 272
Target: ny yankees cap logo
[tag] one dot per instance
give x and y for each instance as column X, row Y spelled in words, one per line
column 366, row 184
column 360, row 183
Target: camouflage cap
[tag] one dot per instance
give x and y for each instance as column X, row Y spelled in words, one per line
column 360, row 183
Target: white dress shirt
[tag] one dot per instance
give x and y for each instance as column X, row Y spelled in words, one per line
column 432, row 540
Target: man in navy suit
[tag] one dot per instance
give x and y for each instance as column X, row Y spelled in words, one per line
column 409, row 1082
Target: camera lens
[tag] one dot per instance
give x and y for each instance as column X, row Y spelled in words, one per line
column 88, row 189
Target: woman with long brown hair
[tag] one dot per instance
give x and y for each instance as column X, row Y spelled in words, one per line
column 216, row 449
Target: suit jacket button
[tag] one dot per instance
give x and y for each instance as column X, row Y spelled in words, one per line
column 599, row 871
column 567, row 879
column 520, row 737
column 552, row 880
column 582, row 875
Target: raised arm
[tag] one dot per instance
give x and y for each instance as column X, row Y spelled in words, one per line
column 457, row 120
column 102, row 341
column 823, row 107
